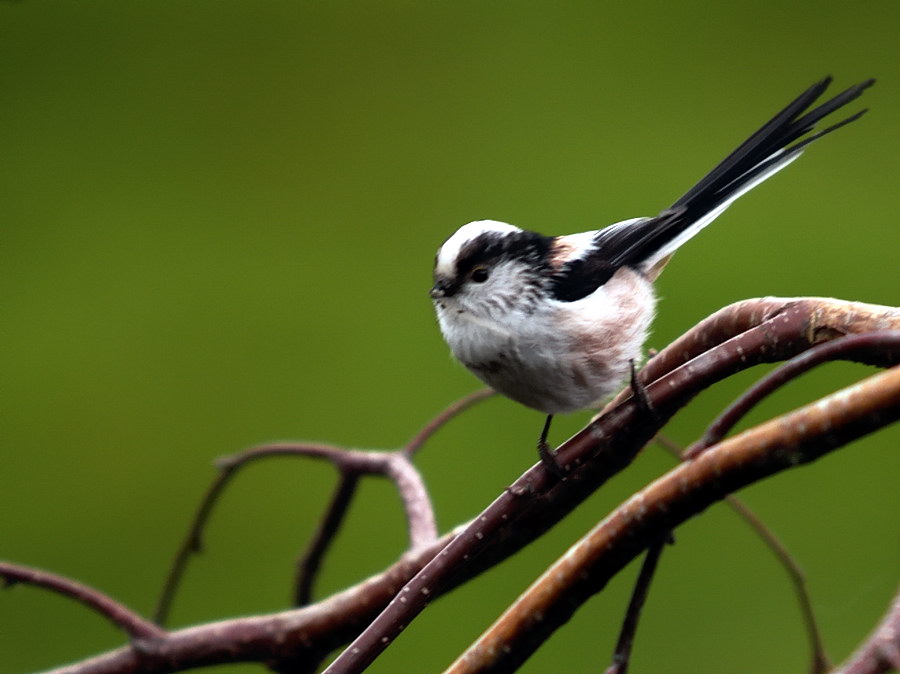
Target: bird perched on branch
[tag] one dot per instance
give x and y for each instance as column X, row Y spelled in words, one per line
column 557, row 322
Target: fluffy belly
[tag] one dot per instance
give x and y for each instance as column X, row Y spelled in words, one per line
column 553, row 386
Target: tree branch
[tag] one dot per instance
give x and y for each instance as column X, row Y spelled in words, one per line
column 844, row 348
column 394, row 465
column 734, row 338
column 819, row 660
column 453, row 411
column 308, row 564
column 134, row 625
column 622, row 653
column 785, row 442
column 351, row 464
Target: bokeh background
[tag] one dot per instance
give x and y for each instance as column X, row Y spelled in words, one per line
column 217, row 224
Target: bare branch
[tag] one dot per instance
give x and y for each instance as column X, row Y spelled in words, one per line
column 394, row 465
column 881, row 651
column 843, row 348
column 134, row 625
column 622, row 653
column 308, row 564
column 796, row 438
column 534, row 504
column 351, row 464
column 457, row 408
column 820, row 662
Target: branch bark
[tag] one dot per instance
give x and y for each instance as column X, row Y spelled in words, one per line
column 122, row 617
column 733, row 339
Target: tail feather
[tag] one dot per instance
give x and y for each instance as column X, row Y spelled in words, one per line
column 643, row 244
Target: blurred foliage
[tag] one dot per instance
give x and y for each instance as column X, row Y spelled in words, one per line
column 218, row 221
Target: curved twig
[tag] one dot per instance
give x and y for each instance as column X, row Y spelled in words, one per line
column 795, row 438
column 394, row 465
column 454, row 410
column 818, row 319
column 887, row 341
column 122, row 617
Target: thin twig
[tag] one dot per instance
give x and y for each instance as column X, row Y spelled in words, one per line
column 454, row 410
column 122, row 617
column 887, row 341
column 308, row 564
column 793, row 439
column 819, row 658
column 622, row 653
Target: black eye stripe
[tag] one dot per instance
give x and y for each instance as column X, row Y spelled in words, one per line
column 489, row 248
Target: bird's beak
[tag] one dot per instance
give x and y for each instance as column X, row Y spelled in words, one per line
column 441, row 289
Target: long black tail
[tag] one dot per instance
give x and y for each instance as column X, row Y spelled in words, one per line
column 645, row 243
column 770, row 145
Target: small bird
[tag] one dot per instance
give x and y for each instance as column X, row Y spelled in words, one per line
column 557, row 322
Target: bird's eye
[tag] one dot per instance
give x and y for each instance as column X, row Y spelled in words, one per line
column 479, row 274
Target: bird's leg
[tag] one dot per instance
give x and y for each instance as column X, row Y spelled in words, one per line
column 640, row 393
column 546, row 453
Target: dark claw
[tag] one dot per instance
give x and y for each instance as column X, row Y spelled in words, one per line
column 546, row 452
column 640, row 394
column 548, row 458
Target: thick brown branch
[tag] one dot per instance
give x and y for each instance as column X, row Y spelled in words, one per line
column 796, row 438
column 822, row 319
column 134, row 625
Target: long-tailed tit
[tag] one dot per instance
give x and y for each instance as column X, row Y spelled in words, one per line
column 555, row 322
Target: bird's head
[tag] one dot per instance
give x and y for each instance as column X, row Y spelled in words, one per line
column 490, row 268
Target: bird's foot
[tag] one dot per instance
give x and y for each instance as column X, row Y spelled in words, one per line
column 548, row 458
column 640, row 394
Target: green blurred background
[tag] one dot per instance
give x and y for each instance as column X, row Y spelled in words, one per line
column 218, row 221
